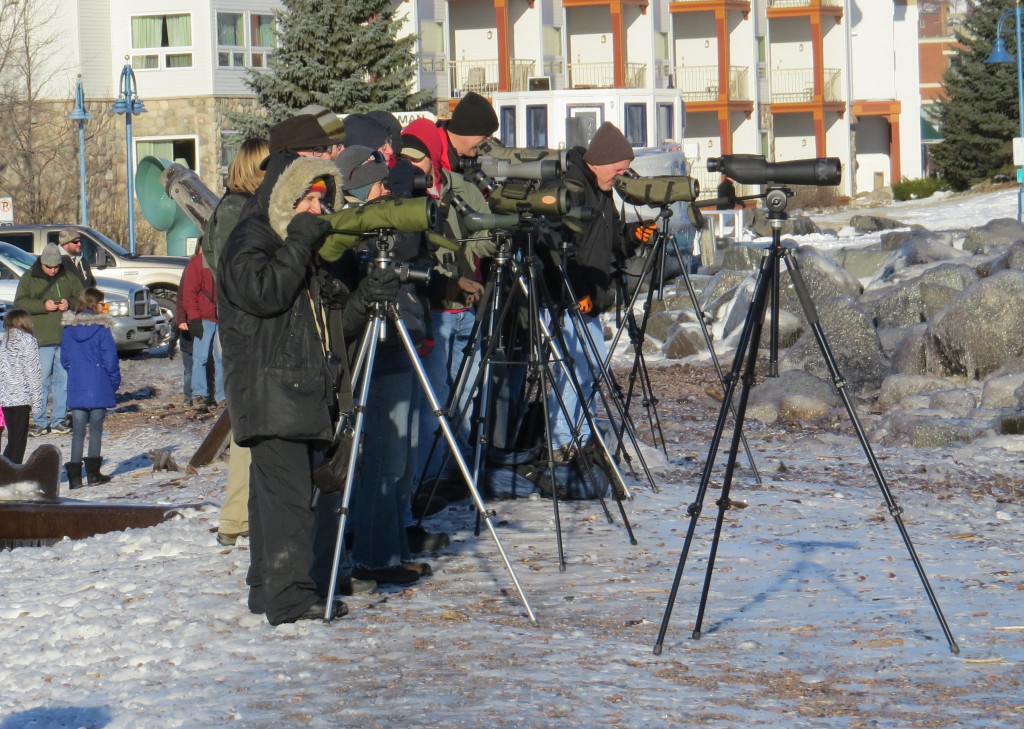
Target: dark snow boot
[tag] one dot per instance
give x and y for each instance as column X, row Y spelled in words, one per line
column 92, row 471
column 74, row 471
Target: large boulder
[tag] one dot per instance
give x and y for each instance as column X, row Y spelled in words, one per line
column 894, row 240
column 794, row 225
column 793, row 395
column 874, row 223
column 862, row 262
column 994, row 234
column 983, row 327
column 917, row 299
column 822, row 276
column 853, row 342
column 899, row 386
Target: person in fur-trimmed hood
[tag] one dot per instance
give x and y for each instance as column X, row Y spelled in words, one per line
column 89, row 354
column 278, row 379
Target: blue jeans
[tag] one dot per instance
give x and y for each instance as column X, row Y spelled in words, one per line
column 186, row 364
column 561, row 430
column 55, row 376
column 451, row 335
column 202, row 348
column 385, row 476
column 94, row 419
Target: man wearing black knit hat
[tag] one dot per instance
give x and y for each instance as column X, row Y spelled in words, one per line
column 472, row 122
column 596, row 255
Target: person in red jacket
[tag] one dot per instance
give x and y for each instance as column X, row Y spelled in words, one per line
column 199, row 298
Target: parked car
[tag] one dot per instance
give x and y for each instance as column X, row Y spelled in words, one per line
column 138, row 322
column 161, row 274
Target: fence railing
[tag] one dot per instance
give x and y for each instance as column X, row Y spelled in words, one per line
column 700, row 83
column 794, row 85
column 602, row 75
column 481, row 75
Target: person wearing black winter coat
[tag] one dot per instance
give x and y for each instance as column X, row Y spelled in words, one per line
column 278, row 379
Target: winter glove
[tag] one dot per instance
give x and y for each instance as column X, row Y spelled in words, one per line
column 586, row 305
column 195, row 328
column 644, row 231
column 379, row 285
column 307, row 229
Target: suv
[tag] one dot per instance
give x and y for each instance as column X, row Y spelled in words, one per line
column 138, row 324
column 109, row 260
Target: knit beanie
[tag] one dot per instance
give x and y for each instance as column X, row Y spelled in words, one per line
column 473, row 117
column 51, row 255
column 608, row 146
column 359, row 171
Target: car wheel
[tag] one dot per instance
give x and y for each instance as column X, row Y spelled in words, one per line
column 167, row 300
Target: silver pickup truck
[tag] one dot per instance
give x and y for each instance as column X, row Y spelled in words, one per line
column 138, row 322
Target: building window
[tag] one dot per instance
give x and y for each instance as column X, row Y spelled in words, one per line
column 666, row 125
column 234, row 49
column 508, row 126
column 636, row 124
column 168, row 38
column 181, row 150
column 536, row 127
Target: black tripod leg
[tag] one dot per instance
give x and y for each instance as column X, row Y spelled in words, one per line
column 745, row 348
column 810, row 311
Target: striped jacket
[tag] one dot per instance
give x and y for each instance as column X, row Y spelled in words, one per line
column 21, row 381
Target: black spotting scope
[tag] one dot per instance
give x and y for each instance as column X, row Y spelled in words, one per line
column 752, row 169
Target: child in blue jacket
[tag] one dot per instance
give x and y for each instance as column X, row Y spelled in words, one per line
column 88, row 353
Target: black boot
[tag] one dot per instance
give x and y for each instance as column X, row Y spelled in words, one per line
column 92, row 471
column 74, row 472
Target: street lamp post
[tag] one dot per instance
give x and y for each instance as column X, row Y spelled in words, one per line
column 999, row 55
column 81, row 115
column 129, row 104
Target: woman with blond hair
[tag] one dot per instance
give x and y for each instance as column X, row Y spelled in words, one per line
column 244, row 176
column 21, row 380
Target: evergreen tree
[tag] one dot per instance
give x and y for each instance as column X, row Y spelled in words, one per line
column 345, row 56
column 979, row 117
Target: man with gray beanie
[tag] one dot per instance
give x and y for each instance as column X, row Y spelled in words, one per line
column 46, row 291
column 596, row 255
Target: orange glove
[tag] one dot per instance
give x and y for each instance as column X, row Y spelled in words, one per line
column 645, row 231
column 586, row 305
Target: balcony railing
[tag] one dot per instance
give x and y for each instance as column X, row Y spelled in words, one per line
column 481, row 75
column 805, row 3
column 602, row 75
column 700, row 83
column 796, row 85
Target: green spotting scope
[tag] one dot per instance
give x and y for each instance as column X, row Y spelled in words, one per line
column 657, row 191
column 416, row 215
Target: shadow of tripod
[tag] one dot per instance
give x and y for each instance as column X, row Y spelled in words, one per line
column 742, row 373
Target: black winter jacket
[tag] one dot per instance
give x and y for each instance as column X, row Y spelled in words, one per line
column 601, row 249
column 277, row 378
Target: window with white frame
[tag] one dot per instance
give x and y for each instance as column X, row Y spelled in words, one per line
column 244, row 39
column 183, row 150
column 161, row 41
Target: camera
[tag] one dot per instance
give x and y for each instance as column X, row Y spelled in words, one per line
column 403, row 215
column 411, row 273
column 753, row 169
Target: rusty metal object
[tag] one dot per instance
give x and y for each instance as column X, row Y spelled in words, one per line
column 32, row 513
column 40, row 524
column 215, row 443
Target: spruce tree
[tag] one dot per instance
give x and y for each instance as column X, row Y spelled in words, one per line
column 979, row 117
column 345, row 56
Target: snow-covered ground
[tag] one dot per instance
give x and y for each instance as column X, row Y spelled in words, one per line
column 816, row 616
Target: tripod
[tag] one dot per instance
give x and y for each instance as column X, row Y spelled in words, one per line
column 743, row 372
column 654, row 267
column 362, row 373
column 518, row 281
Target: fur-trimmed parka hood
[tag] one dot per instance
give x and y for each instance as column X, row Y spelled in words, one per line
column 78, row 325
column 292, row 184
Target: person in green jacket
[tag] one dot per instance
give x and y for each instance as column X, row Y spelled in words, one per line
column 45, row 292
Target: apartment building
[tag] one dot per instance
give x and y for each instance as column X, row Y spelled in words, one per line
column 789, row 79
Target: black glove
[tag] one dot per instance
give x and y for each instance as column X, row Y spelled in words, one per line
column 308, row 229
column 195, row 328
column 379, row 285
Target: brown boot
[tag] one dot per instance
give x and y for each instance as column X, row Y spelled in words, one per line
column 92, row 471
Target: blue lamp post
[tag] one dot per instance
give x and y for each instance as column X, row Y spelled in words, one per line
column 80, row 115
column 129, row 104
column 999, row 55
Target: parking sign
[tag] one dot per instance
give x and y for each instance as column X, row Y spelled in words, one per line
column 6, row 210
